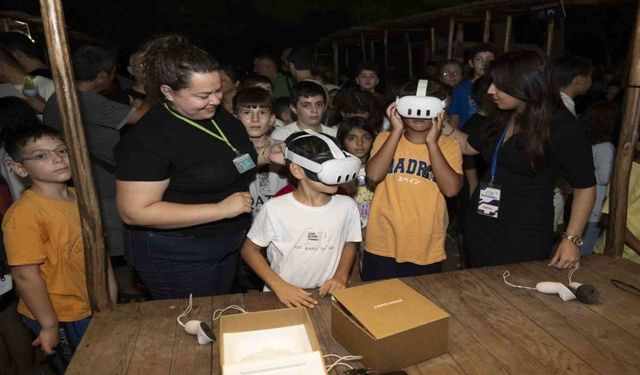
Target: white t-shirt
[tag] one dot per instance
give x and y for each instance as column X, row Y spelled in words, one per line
column 269, row 180
column 304, row 243
column 281, row 133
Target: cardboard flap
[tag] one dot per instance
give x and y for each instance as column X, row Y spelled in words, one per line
column 388, row 307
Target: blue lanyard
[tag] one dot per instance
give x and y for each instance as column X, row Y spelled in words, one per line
column 494, row 161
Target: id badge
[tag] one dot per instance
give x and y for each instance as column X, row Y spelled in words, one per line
column 489, row 200
column 244, row 163
column 6, row 284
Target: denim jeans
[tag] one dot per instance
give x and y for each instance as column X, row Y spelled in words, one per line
column 173, row 264
column 376, row 267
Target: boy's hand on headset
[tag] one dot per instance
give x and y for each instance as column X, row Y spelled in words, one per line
column 292, row 296
column 394, row 118
column 436, row 129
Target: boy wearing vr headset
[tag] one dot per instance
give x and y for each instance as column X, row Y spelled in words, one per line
column 415, row 170
column 311, row 233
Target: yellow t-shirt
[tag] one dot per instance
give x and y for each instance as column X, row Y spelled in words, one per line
column 408, row 215
column 633, row 215
column 46, row 232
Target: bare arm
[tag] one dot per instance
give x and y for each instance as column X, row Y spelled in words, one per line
column 140, row 203
column 568, row 253
column 449, row 181
column 378, row 165
column 454, row 120
column 33, row 291
column 341, row 277
column 289, row 295
column 140, row 109
column 450, row 131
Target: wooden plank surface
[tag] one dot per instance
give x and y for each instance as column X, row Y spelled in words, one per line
column 494, row 329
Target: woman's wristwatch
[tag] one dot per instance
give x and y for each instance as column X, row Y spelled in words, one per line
column 575, row 238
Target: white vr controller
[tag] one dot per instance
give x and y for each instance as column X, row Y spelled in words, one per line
column 582, row 292
column 196, row 327
column 420, row 106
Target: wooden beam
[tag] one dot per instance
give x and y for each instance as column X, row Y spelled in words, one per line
column 363, row 46
column 372, row 46
column 95, row 254
column 452, row 26
column 336, row 63
column 507, row 34
column 386, row 58
column 550, row 28
column 346, row 57
column 433, row 43
column 619, row 195
column 487, row 27
column 407, row 38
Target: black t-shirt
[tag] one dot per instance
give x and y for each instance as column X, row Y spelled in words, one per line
column 127, row 95
column 527, row 195
column 199, row 166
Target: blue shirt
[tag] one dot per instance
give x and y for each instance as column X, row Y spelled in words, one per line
column 461, row 102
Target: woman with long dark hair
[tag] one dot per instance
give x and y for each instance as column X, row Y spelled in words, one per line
column 527, row 141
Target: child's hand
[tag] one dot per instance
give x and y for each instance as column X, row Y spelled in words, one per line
column 436, row 129
column 276, row 154
column 330, row 286
column 394, row 118
column 292, row 296
column 48, row 339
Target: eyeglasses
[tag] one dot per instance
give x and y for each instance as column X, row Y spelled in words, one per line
column 452, row 74
column 45, row 154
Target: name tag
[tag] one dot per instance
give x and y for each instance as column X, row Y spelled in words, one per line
column 489, row 200
column 6, row 284
column 244, row 163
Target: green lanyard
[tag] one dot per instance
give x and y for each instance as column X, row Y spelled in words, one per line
column 219, row 136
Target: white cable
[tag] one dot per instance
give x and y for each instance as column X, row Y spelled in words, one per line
column 340, row 360
column 573, row 270
column 339, row 364
column 507, row 274
column 218, row 313
column 187, row 311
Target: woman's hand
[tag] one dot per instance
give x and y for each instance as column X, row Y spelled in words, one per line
column 237, row 203
column 436, row 129
column 566, row 256
column 394, row 118
column 48, row 339
column 292, row 296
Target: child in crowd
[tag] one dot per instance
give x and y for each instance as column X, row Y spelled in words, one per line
column 631, row 249
column 415, row 168
column 367, row 76
column 255, row 80
column 451, row 73
column 600, row 119
column 44, row 246
column 308, row 102
column 253, row 107
column 462, row 105
column 310, row 234
column 282, row 110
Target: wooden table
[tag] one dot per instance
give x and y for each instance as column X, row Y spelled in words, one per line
column 494, row 329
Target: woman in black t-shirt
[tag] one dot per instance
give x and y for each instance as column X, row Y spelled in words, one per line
column 526, row 143
column 182, row 177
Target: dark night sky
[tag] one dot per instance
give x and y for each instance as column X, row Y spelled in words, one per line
column 233, row 30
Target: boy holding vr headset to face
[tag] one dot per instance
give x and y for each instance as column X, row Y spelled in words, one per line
column 311, row 233
column 415, row 169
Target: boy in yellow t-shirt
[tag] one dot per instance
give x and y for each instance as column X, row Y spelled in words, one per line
column 415, row 169
column 44, row 244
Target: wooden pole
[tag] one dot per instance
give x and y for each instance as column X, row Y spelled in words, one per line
column 487, row 27
column 452, row 26
column 336, row 63
column 550, row 28
column 433, row 43
column 363, row 47
column 372, row 47
column 626, row 148
column 92, row 236
column 407, row 38
column 346, row 57
column 507, row 34
column 386, row 57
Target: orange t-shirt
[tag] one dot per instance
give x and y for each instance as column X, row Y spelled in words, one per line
column 408, row 214
column 46, row 232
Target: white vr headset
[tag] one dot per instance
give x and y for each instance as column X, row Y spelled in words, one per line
column 420, row 105
column 344, row 167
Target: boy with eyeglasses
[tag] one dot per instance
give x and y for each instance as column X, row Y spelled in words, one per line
column 44, row 245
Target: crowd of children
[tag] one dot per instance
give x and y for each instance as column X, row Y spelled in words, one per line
column 251, row 205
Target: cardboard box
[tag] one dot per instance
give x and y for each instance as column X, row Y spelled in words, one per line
column 390, row 324
column 270, row 342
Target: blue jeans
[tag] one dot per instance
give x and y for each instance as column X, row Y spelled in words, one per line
column 376, row 267
column 70, row 335
column 590, row 236
column 173, row 264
